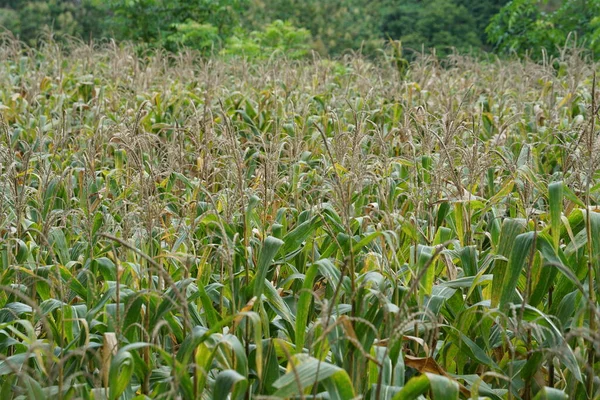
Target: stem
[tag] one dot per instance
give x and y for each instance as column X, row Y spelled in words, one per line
column 551, row 362
column 590, row 262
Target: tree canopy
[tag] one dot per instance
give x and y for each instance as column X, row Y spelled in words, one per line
column 330, row 27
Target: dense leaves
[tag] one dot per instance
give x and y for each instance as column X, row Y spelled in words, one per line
column 256, row 28
column 532, row 26
column 172, row 226
column 439, row 24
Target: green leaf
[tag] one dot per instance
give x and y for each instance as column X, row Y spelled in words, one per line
column 212, row 317
column 442, row 387
column 171, row 300
column 553, row 338
column 532, row 365
column 413, row 388
column 380, row 354
column 511, row 228
column 339, row 386
column 366, row 240
column 121, row 370
column 230, row 382
column 555, row 200
column 303, row 306
column 293, row 239
column 268, row 251
column 34, row 389
column 14, row 363
column 277, row 303
column 547, row 393
column 469, row 261
column 423, row 260
column 543, row 275
column 13, row 311
column 311, row 371
column 519, row 258
column 471, row 348
column 58, row 241
column 595, row 235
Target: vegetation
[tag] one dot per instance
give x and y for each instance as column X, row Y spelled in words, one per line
column 441, row 24
column 523, row 26
column 329, row 27
column 173, row 226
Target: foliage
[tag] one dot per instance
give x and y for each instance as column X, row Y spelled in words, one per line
column 438, row 24
column 29, row 19
column 156, row 21
column 177, row 227
column 336, row 25
column 482, row 12
column 524, row 26
column 191, row 34
column 277, row 38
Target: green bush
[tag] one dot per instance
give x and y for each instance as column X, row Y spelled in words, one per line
column 438, row 24
column 531, row 26
column 335, row 25
column 161, row 21
column 277, row 37
column 203, row 37
column 29, row 19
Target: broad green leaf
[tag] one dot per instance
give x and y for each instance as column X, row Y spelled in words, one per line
column 310, row 371
column 469, row 260
column 519, row 258
column 212, row 316
column 511, row 228
column 14, row 363
column 293, row 239
column 339, row 386
column 553, row 337
column 595, row 235
column 268, row 251
column 121, row 370
column 230, row 382
column 58, row 241
column 543, row 275
column 555, row 200
column 547, row 393
column 413, row 388
column 34, row 389
column 442, row 387
column 303, row 306
column 471, row 348
column 424, row 254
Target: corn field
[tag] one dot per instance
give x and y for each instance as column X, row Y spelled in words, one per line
column 176, row 227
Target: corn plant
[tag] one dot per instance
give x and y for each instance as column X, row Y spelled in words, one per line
column 180, row 227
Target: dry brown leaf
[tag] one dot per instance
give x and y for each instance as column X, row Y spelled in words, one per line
column 418, row 340
column 246, row 308
column 347, row 324
column 428, row 364
column 109, row 349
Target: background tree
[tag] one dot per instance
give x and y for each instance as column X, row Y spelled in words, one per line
column 335, row 25
column 439, row 24
column 532, row 26
column 27, row 19
column 153, row 21
column 482, row 12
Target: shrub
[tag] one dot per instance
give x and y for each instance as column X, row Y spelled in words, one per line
column 278, row 37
